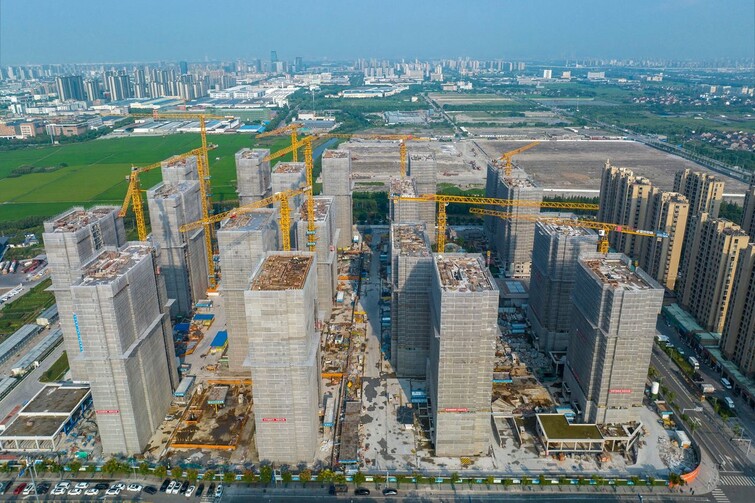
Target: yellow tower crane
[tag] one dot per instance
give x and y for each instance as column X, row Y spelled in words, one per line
column 603, row 228
column 443, row 200
column 133, row 193
column 292, row 128
column 278, row 197
column 505, row 159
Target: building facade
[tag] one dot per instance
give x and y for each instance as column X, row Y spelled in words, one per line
column 738, row 338
column 336, row 182
column 252, row 175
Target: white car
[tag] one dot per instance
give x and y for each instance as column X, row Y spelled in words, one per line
column 58, row 491
column 64, row 484
column 92, row 492
column 190, row 491
column 113, row 491
column 28, row 489
column 82, row 485
column 219, row 491
column 176, row 488
column 75, row 491
column 120, row 485
column 134, row 488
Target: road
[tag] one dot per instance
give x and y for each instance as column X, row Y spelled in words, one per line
column 30, row 385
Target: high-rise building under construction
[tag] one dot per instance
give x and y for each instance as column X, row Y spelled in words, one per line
column 336, row 182
column 252, row 175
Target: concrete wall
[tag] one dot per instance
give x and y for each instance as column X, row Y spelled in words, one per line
column 252, row 175
column 185, row 170
column 336, row 181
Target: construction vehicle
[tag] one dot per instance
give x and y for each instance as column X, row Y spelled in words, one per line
column 133, row 193
column 603, row 227
column 505, row 160
column 443, row 200
column 278, row 197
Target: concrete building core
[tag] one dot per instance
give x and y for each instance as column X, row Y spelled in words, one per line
column 336, row 181
column 71, row 239
column 252, row 175
column 175, row 170
column 738, row 338
column 554, row 263
column 711, row 254
column 284, row 357
column 464, row 315
column 412, row 266
column 243, row 242
column 613, row 330
column 325, row 250
column 183, row 258
column 123, row 329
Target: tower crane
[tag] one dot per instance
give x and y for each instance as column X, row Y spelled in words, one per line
column 603, row 227
column 444, row 199
column 133, row 193
column 292, row 128
column 278, row 197
column 506, row 157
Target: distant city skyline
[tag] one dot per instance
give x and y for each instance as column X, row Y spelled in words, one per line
column 92, row 31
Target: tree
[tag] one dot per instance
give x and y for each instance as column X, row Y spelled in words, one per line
column 161, row 471
column 305, row 476
column 144, row 468
column 286, row 477
column 74, row 466
column 229, row 477
column 541, row 478
column 454, row 478
column 359, row 478
column 249, row 477
column 192, row 475
column 489, row 480
column 339, row 478
column 507, row 482
column 111, row 466
column 176, row 472
column 266, row 474
column 209, row 475
column 635, row 480
column 322, row 477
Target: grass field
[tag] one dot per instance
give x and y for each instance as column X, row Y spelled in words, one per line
column 96, row 171
column 57, row 370
column 26, row 308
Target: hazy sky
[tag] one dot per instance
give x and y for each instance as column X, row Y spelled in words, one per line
column 65, row 31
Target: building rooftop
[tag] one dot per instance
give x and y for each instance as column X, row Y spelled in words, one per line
column 53, row 400
column 282, row 272
column 404, row 187
column 335, row 154
column 253, row 153
column 322, row 207
column 251, row 221
column 563, row 228
column 463, row 273
column 78, row 218
column 519, row 178
column 110, row 264
column 289, row 167
column 617, row 272
column 410, row 239
column 171, row 190
column 556, row 427
column 177, row 161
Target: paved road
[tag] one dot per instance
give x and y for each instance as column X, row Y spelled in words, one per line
column 30, row 385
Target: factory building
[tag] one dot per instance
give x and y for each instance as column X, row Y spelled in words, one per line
column 177, row 169
column 703, row 191
column 464, row 315
column 748, row 213
column 120, row 311
column 613, row 329
column 554, row 263
column 325, row 250
column 412, row 272
column 336, row 182
column 252, row 175
column 738, row 338
column 284, row 357
column 243, row 242
column 183, row 258
column 711, row 255
column 72, row 239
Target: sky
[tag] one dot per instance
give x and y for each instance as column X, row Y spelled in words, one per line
column 88, row 31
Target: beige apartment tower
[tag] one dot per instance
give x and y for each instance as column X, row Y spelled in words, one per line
column 738, row 339
column 661, row 256
column 748, row 213
column 703, row 191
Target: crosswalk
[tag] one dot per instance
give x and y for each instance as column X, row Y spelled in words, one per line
column 737, row 480
column 719, row 496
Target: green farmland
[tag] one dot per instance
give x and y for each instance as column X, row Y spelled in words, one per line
column 95, row 172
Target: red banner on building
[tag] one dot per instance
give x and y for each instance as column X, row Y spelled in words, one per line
column 620, row 391
column 455, row 410
column 273, row 419
column 105, row 412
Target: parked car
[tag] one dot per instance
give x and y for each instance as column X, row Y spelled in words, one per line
column 81, row 485
column 219, row 491
column 134, row 488
column 5, row 485
column 113, row 491
column 43, row 488
column 184, row 487
column 362, row 491
column 200, row 490
column 190, row 491
column 102, row 486
column 28, row 489
column 92, row 491
column 150, row 489
column 164, row 485
column 338, row 489
column 389, row 491
column 75, row 491
column 58, row 491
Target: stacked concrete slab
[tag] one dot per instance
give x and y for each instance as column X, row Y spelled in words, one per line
column 175, row 170
column 325, row 250
column 119, row 308
column 71, row 239
column 252, row 175
column 613, row 329
column 183, row 258
column 284, row 357
column 243, row 242
column 464, row 315
column 336, row 182
column 554, row 263
column 412, row 266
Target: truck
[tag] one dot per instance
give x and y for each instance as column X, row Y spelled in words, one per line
column 693, row 361
column 706, row 388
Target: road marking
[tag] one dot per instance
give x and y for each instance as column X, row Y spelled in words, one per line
column 719, row 496
column 737, row 480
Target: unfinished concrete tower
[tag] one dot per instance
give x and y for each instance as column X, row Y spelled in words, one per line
column 183, row 258
column 336, row 182
column 554, row 263
column 325, row 251
column 121, row 321
column 412, row 264
column 424, row 170
column 464, row 316
column 284, row 357
column 175, row 169
column 71, row 239
column 409, row 212
column 613, row 329
column 289, row 176
column 252, row 175
column 243, row 242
